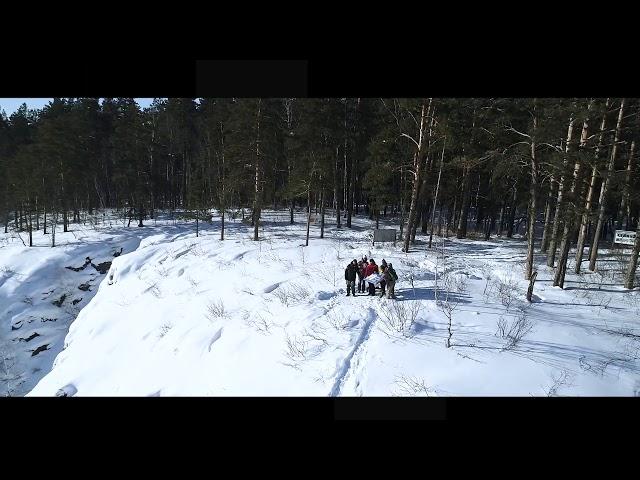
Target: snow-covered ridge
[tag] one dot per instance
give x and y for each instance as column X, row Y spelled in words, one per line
column 180, row 315
column 42, row 290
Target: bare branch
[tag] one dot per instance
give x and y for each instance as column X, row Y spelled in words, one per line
column 410, row 138
column 555, row 147
column 513, row 145
column 511, row 129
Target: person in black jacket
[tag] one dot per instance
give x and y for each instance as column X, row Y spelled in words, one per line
column 392, row 277
column 350, row 276
column 383, row 282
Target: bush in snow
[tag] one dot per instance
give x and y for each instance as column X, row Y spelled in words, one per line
column 515, row 330
column 7, row 375
column 308, row 345
column 162, row 271
column 294, row 293
column 216, row 310
column 338, row 248
column 337, row 320
column 620, row 264
column 506, row 290
column 296, row 349
column 409, row 262
column 563, row 380
column 412, row 387
column 152, row 287
column 460, row 283
column 399, row 317
column 448, row 301
column 197, row 250
column 328, row 274
column 257, row 321
column 164, row 329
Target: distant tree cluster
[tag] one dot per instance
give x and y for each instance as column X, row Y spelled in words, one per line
column 474, row 167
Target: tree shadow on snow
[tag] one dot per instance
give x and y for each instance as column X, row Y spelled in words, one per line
column 427, row 293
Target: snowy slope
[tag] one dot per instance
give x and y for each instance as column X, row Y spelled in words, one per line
column 181, row 315
column 40, row 296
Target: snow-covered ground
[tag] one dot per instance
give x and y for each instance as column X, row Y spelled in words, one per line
column 180, row 315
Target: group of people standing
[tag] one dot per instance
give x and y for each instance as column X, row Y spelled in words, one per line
column 384, row 274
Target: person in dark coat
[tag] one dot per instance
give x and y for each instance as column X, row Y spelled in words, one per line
column 350, row 277
column 391, row 282
column 361, row 266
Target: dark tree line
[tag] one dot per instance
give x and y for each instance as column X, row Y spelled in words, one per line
column 561, row 172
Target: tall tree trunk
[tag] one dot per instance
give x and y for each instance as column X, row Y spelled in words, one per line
column 258, row 180
column 557, row 220
column 451, row 215
column 568, row 232
column 435, row 196
column 490, row 224
column 426, row 213
column 345, row 175
column 423, row 208
column 222, row 225
column 547, row 215
column 633, row 261
column 417, row 174
column 335, row 188
column 424, row 225
column 348, row 172
column 461, row 231
column 533, row 192
column 415, row 225
column 322, row 213
column 466, row 199
column 53, row 227
column 593, row 253
column 500, row 225
column 511, row 217
column 30, row 220
column 44, row 220
column 584, row 221
column 402, row 200
column 624, row 213
column 308, row 213
column 488, row 207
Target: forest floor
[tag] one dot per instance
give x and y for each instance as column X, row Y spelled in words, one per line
column 180, row 315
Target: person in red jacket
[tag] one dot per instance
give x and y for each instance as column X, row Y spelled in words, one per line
column 371, row 269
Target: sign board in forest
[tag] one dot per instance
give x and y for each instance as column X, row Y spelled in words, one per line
column 625, row 237
column 384, row 235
